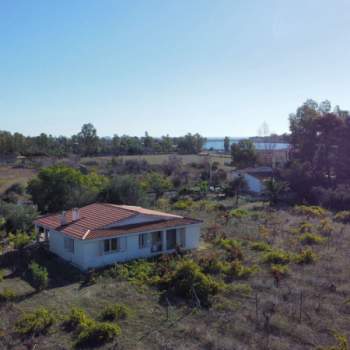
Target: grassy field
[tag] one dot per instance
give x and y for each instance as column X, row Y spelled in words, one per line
column 10, row 175
column 300, row 308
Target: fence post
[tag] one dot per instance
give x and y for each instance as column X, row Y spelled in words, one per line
column 300, row 305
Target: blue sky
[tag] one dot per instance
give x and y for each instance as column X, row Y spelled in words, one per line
column 217, row 67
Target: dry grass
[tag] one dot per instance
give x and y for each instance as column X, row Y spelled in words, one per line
column 299, row 313
column 10, row 175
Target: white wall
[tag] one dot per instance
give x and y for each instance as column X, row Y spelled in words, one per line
column 88, row 253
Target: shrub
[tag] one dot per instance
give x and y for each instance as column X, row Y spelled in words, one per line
column 183, row 204
column 311, row 238
column 39, row 276
column 342, row 343
column 20, row 239
column 97, row 333
column 310, row 210
column 343, row 216
column 238, row 270
column 36, row 322
column 7, row 295
column 239, row 213
column 305, row 227
column 77, row 320
column 2, row 275
column 189, row 281
column 306, row 256
column 261, row 246
column 279, row 270
column 276, row 256
column 239, row 288
column 232, row 246
column 115, row 312
column 325, row 227
column 213, row 264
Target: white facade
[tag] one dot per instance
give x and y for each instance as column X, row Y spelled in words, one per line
column 94, row 253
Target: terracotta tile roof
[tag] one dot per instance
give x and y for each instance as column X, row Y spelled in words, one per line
column 94, row 219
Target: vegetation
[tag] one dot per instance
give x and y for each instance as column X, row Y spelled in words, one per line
column 115, row 312
column 38, row 276
column 61, row 187
column 243, row 153
column 36, row 322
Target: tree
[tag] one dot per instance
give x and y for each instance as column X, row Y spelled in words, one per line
column 236, row 187
column 244, row 153
column 274, row 189
column 124, row 190
column 17, row 217
column 61, row 187
column 190, row 144
column 226, row 144
column 156, row 183
column 88, row 140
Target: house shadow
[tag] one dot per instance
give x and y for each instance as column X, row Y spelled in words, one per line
column 60, row 272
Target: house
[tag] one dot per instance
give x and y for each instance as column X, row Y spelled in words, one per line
column 254, row 177
column 101, row 234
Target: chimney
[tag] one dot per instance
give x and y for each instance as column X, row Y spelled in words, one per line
column 63, row 218
column 75, row 214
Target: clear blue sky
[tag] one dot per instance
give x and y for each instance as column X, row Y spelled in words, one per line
column 217, row 67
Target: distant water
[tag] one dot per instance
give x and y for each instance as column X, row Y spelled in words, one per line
column 218, row 144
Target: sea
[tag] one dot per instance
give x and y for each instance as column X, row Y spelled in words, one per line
column 217, row 144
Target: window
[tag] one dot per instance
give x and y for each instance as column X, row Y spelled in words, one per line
column 69, row 245
column 114, row 245
column 143, row 240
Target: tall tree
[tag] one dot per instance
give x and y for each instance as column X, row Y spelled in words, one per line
column 226, row 144
column 88, row 140
column 243, row 153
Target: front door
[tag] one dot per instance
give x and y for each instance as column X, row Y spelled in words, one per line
column 171, row 239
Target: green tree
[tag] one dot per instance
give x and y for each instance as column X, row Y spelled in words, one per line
column 243, row 153
column 156, row 183
column 226, row 144
column 17, row 217
column 88, row 140
column 124, row 190
column 61, row 187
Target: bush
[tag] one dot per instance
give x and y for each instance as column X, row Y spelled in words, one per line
column 36, row 322
column 276, row 256
column 39, row 276
column 2, row 275
column 97, row 333
column 239, row 213
column 306, row 256
column 188, row 281
column 115, row 312
column 310, row 210
column 232, row 246
column 7, row 295
column 77, row 320
column 343, row 216
column 311, row 238
column 238, row 270
column 261, row 246
column 20, row 239
column 212, row 264
column 279, row 270
column 183, row 204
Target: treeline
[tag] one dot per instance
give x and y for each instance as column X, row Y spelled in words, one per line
column 319, row 170
column 88, row 143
